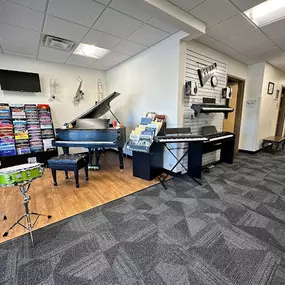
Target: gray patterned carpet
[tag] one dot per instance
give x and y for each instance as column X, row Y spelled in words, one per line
column 229, row 231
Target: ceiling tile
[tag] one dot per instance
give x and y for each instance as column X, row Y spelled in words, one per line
column 162, row 25
column 11, row 13
column 84, row 12
column 19, row 54
column 39, row 5
column 101, row 39
column 81, row 61
column 278, row 62
column 213, row 12
column 129, row 48
column 275, row 29
column 116, row 23
column 214, row 44
column 187, row 5
column 257, row 47
column 64, row 29
column 267, row 54
column 148, row 35
column 230, row 28
column 55, row 55
column 247, row 4
column 280, row 40
column 110, row 60
column 127, row 7
column 18, row 34
column 246, row 39
column 18, row 47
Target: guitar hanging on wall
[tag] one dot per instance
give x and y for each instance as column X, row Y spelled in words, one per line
column 206, row 73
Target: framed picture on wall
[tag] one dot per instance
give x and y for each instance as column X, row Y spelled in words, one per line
column 276, row 96
column 270, row 89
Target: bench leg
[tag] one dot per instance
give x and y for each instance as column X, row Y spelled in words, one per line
column 86, row 172
column 53, row 171
column 66, row 174
column 76, row 178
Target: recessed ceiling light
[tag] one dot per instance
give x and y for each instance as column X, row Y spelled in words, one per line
column 90, row 51
column 267, row 12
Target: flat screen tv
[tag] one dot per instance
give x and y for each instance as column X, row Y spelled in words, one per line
column 19, row 81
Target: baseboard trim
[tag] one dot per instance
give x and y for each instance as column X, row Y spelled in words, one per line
column 249, row 152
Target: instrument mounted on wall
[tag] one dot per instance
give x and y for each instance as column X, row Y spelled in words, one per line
column 227, row 93
column 79, row 95
column 207, row 73
column 191, row 88
column 209, row 106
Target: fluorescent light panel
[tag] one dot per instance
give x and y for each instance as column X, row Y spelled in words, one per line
column 90, row 51
column 267, row 12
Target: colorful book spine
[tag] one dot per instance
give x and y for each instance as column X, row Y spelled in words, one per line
column 7, row 139
column 46, row 126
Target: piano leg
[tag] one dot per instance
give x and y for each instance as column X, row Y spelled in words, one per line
column 65, row 150
column 53, row 171
column 76, row 178
column 98, row 153
column 90, row 163
column 228, row 152
column 121, row 159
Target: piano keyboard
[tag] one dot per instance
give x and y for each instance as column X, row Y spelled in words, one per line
column 220, row 138
column 180, row 140
column 85, row 142
column 216, row 109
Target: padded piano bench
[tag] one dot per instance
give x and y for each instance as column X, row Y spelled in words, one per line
column 69, row 162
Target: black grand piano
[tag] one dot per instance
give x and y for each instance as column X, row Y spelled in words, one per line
column 88, row 131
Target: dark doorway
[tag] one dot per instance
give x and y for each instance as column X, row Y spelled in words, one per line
column 233, row 123
column 281, row 115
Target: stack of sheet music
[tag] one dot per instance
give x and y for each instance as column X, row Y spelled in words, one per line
column 142, row 136
column 34, row 129
column 46, row 126
column 20, row 129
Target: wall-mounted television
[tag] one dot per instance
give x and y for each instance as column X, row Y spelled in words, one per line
column 19, row 81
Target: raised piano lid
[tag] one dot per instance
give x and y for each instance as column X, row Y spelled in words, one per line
column 98, row 110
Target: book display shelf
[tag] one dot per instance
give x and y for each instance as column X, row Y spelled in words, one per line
column 26, row 132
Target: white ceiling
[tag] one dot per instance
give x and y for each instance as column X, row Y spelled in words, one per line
column 126, row 30
column 232, row 33
column 116, row 25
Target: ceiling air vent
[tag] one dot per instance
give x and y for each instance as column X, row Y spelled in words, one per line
column 58, row 43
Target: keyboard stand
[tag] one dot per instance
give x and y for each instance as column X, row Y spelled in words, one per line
column 179, row 161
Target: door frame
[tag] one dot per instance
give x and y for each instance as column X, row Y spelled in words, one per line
column 239, row 108
column 280, row 106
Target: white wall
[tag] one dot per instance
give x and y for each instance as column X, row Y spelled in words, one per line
column 148, row 82
column 269, row 108
column 260, row 118
column 63, row 109
column 251, row 107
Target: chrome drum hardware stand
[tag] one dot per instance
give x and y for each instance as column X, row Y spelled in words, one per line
column 24, row 188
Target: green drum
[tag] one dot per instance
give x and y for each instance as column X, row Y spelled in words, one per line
column 19, row 174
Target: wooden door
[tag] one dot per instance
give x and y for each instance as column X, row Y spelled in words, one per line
column 229, row 124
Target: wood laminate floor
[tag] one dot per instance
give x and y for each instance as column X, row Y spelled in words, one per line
column 66, row 200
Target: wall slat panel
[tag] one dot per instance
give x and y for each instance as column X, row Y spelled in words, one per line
column 194, row 61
